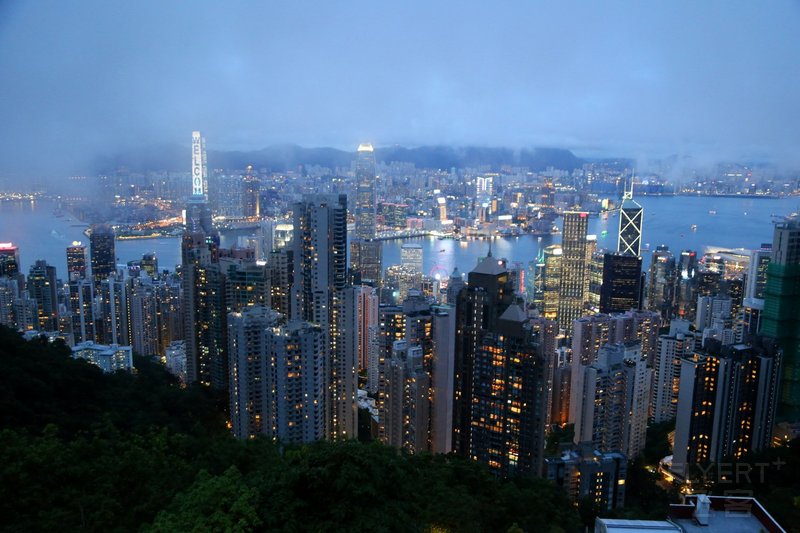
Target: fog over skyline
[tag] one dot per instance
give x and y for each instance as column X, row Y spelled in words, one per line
column 80, row 80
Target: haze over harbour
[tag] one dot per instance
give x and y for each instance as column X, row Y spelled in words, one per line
column 736, row 223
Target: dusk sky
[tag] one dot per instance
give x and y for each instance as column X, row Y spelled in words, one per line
column 713, row 79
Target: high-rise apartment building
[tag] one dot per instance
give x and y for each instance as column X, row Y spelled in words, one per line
column 612, row 400
column 368, row 302
column 42, row 287
column 82, row 310
column 573, row 269
column 278, row 377
column 726, row 405
column 508, row 398
column 103, row 252
column 114, row 298
column 679, row 343
column 321, row 296
column 479, row 305
column 442, row 378
column 202, row 309
column 585, row 473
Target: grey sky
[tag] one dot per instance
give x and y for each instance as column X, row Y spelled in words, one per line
column 636, row 78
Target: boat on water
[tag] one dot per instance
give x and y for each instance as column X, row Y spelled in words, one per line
column 712, row 211
column 694, row 227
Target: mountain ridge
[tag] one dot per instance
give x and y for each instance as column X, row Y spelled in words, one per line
column 283, row 157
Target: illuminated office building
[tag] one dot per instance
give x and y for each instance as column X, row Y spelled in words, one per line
column 103, row 252
column 76, row 261
column 552, row 259
column 631, row 217
column 573, row 269
column 622, row 287
column 365, row 251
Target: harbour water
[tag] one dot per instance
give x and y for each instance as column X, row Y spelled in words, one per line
column 720, row 222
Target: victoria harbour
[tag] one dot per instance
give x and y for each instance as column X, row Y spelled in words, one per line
column 40, row 234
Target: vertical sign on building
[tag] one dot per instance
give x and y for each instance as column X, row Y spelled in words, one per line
column 198, row 165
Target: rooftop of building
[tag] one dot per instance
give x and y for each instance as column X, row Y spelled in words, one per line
column 491, row 266
column 614, row 525
column 726, row 514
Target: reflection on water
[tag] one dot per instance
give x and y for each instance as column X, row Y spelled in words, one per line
column 41, row 233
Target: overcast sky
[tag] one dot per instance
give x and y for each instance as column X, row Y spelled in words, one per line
column 79, row 79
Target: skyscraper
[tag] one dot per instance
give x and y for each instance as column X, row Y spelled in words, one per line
column 202, row 309
column 479, row 305
column 551, row 280
column 508, row 401
column 726, row 405
column 251, row 194
column 9, row 259
column 780, row 319
column 613, row 399
column 365, row 251
column 631, row 216
column 366, row 193
column 661, row 288
column 411, row 256
column 672, row 348
column 82, row 309
column 277, row 376
column 76, row 261
column 198, row 211
column 622, row 287
column 442, row 378
column 320, row 296
column 757, row 272
column 42, row 287
column 103, row 252
column 573, row 269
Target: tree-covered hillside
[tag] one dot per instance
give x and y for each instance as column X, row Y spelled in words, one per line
column 80, row 450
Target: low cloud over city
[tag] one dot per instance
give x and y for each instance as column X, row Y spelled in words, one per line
column 710, row 80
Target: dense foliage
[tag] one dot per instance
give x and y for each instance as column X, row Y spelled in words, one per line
column 80, row 450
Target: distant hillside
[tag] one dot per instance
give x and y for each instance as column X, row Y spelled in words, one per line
column 285, row 157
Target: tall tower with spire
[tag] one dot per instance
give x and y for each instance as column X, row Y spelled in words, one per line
column 623, row 284
column 631, row 216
